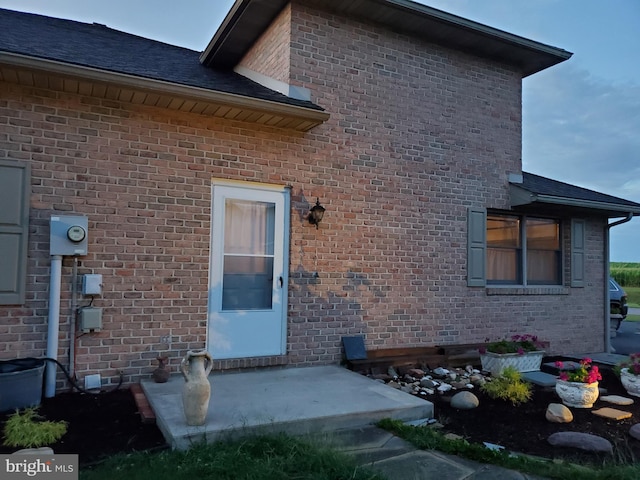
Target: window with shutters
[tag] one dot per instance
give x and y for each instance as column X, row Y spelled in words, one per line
column 511, row 249
column 14, row 230
column 523, row 250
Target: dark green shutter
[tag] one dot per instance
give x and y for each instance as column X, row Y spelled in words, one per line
column 15, row 190
column 476, row 247
column 577, row 252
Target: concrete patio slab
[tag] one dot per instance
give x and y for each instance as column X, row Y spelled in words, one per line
column 297, row 401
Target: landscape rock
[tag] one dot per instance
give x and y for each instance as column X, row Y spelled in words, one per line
column 558, row 413
column 459, row 385
column 617, row 400
column 441, row 372
column 416, row 372
column 464, row 401
column 427, row 383
column 394, row 385
column 445, row 387
column 392, row 372
column 634, row 431
column 583, row 441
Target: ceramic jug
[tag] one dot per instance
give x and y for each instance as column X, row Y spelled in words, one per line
column 195, row 368
column 161, row 374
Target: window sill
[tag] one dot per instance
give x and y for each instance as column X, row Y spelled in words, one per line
column 528, row 290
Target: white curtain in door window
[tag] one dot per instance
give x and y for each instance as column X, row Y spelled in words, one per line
column 248, row 227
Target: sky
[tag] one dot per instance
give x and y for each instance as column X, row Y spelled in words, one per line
column 581, row 119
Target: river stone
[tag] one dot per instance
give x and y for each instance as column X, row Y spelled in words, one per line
column 464, row 401
column 427, row 383
column 634, row 431
column 583, row 441
column 558, row 413
column 617, row 400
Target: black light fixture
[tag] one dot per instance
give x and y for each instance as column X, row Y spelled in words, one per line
column 316, row 213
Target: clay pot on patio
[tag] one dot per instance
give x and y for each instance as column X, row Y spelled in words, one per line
column 195, row 368
column 161, row 374
column 577, row 394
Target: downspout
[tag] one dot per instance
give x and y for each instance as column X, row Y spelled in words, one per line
column 607, row 303
column 54, row 324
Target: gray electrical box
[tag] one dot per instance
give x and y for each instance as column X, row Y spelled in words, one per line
column 90, row 319
column 68, row 235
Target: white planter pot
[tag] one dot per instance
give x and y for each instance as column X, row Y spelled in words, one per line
column 526, row 362
column 577, row 394
column 630, row 382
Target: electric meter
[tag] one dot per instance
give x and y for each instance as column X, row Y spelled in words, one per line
column 76, row 233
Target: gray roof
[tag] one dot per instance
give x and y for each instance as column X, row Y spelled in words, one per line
column 541, row 193
column 103, row 48
column 248, row 19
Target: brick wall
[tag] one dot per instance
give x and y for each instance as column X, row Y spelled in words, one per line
column 417, row 134
column 270, row 54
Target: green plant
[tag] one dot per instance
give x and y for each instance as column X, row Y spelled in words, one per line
column 430, row 439
column 632, row 364
column 28, row 429
column 517, row 344
column 508, row 386
column 585, row 373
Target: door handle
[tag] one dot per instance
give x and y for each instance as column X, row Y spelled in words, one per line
column 281, row 281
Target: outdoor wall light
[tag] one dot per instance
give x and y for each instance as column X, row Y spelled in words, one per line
column 316, row 213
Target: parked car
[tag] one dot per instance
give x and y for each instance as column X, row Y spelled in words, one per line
column 618, row 302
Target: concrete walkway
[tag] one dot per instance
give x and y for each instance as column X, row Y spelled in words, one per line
column 329, row 402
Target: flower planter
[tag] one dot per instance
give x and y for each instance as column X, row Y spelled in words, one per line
column 526, row 362
column 20, row 383
column 577, row 394
column 630, row 382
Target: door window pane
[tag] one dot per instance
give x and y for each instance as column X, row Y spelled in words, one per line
column 247, row 279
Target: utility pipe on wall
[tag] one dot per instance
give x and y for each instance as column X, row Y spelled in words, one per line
column 607, row 303
column 54, row 324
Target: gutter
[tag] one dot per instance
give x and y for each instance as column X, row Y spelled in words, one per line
column 573, row 202
column 607, row 304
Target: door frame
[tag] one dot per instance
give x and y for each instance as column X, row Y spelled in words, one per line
column 285, row 191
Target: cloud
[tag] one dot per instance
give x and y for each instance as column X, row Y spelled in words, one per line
column 580, row 129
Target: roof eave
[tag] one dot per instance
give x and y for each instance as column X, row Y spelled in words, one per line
column 522, row 197
column 308, row 117
column 247, row 19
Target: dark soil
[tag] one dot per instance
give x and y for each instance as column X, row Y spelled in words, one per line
column 98, row 425
column 524, row 428
column 106, row 424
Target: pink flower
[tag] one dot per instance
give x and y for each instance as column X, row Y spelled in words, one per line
column 482, row 350
column 564, row 376
column 559, row 364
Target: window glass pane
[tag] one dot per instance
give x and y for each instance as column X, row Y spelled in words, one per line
column 248, row 227
column 543, row 234
column 503, row 231
column 543, row 251
column 247, row 283
column 503, row 249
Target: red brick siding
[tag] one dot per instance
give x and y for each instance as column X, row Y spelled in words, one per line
column 270, row 54
column 417, row 133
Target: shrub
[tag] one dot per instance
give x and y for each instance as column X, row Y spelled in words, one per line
column 508, row 386
column 28, row 429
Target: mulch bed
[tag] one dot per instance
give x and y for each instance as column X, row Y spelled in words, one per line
column 98, row 425
column 106, row 424
column 524, row 428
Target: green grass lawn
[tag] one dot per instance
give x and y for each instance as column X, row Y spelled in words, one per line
column 633, row 295
column 276, row 457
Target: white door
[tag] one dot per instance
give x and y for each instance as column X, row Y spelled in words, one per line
column 248, row 270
